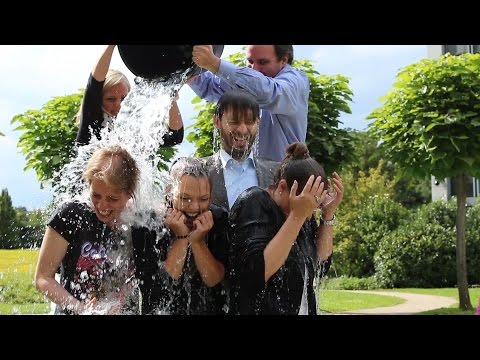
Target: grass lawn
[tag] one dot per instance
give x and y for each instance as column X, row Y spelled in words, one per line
column 23, row 261
column 19, row 266
column 19, row 309
column 17, row 292
column 336, row 301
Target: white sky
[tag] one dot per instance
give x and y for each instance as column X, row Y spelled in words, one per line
column 31, row 75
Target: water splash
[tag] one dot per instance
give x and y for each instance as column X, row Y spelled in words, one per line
column 139, row 128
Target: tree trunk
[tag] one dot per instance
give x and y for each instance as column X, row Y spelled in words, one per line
column 462, row 283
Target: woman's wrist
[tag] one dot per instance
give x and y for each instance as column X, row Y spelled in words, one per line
column 328, row 221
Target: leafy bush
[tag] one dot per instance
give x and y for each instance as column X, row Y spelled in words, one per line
column 379, row 216
column 472, row 238
column 422, row 252
column 349, row 283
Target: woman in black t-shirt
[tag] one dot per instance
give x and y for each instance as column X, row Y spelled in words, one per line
column 87, row 241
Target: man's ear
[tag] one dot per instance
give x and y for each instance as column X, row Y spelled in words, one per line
column 217, row 122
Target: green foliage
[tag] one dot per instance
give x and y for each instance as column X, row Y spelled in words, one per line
column 329, row 96
column 410, row 191
column 361, row 186
column 378, row 217
column 349, row 283
column 430, row 121
column 2, row 134
column 472, row 238
column 165, row 154
column 203, row 131
column 420, row 253
column 48, row 135
column 30, row 229
column 407, row 190
column 7, row 220
column 48, row 139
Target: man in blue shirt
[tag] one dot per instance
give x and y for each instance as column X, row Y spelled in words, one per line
column 234, row 168
column 281, row 91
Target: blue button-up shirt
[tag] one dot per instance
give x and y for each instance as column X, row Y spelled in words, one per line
column 238, row 175
column 283, row 102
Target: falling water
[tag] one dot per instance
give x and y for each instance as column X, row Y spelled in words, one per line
column 138, row 128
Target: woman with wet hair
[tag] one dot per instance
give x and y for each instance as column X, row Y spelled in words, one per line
column 106, row 89
column 89, row 244
column 277, row 248
column 182, row 269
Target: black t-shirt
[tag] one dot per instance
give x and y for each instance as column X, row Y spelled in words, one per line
column 187, row 295
column 93, row 117
column 98, row 262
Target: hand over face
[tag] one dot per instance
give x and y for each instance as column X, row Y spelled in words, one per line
column 177, row 222
column 202, row 225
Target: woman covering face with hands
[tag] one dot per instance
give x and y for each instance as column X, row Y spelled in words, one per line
column 192, row 253
column 277, row 247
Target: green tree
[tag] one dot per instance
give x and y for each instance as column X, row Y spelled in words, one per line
column 30, row 229
column 7, row 220
column 410, row 191
column 49, row 136
column 430, row 124
column 329, row 96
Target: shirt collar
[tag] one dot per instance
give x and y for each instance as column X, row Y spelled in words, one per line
column 225, row 157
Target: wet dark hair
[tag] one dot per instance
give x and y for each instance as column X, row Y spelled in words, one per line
column 284, row 50
column 298, row 165
column 191, row 166
column 240, row 102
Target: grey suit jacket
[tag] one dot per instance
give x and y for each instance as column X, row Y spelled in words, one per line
column 265, row 170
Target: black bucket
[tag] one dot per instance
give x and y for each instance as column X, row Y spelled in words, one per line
column 161, row 62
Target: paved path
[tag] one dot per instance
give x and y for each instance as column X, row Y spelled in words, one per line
column 414, row 303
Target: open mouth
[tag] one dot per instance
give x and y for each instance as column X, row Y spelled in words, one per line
column 104, row 213
column 190, row 218
column 240, row 141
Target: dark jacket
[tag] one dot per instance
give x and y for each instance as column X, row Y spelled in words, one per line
column 264, row 168
column 255, row 219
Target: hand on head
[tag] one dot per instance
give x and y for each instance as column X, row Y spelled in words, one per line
column 332, row 206
column 309, row 199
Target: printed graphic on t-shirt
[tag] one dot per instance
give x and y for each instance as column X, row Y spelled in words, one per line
column 89, row 271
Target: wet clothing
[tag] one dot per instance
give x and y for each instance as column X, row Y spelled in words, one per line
column 188, row 295
column 98, row 262
column 283, row 102
column 264, row 169
column 255, row 219
column 93, row 118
